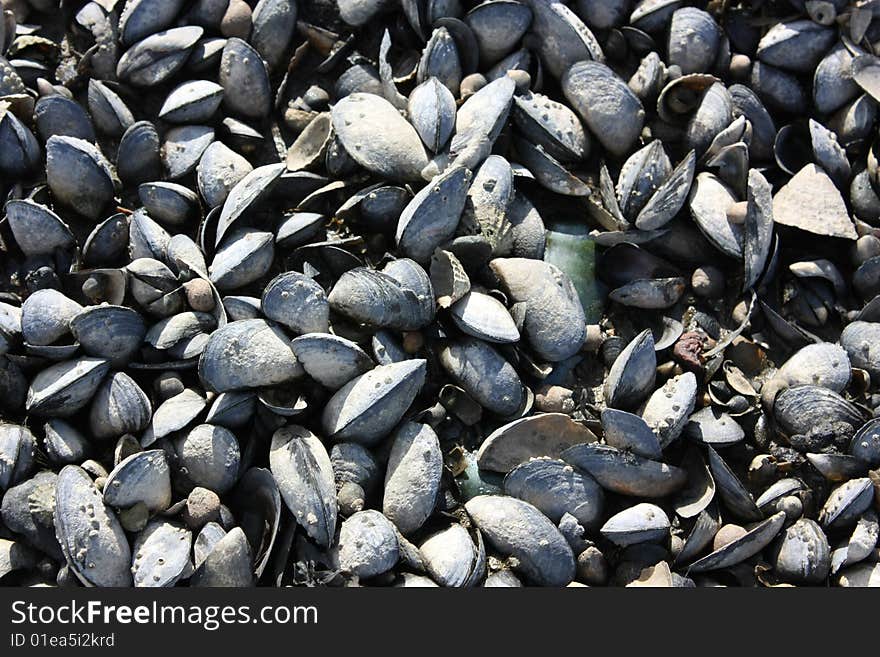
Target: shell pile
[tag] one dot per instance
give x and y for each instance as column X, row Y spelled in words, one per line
column 439, row 293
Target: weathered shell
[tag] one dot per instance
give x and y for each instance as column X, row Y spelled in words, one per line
column 249, row 353
column 803, row 555
column 412, row 480
column 158, row 56
column 485, row 210
column 63, row 443
column 479, row 121
column 111, row 332
column 183, row 148
column 713, row 427
column 742, row 548
column 57, row 115
column 837, row 467
column 378, row 299
column 824, row 364
column 545, row 434
column 811, row 202
column 440, row 60
column 731, row 490
column 17, row 447
column 551, row 125
column 231, row 409
column 119, row 406
column 192, row 102
column 518, row 529
column 273, row 27
column 796, row 45
column 79, row 175
column 109, row 112
column 20, row 151
column 846, row 503
column 632, row 375
column 301, row 467
column 555, row 323
column 700, row 489
column 246, row 193
column 298, row 302
column 861, row 543
column 625, row 473
column 367, row 544
column 801, row 408
column 45, row 316
column 758, row 228
column 555, row 488
column 497, row 27
column 710, row 198
column 28, row 510
column 669, row 407
column 161, row 554
column 228, row 563
column 861, row 340
column 219, row 170
column 484, row 317
column 137, row 158
column 331, row 360
column 208, row 456
column 37, row 230
column 431, row 217
column 62, row 389
column 467, row 360
column 627, row 431
column 562, row 38
column 694, row 40
column 89, row 532
column 378, row 137
column 353, row 463
column 140, row 478
column 449, row 556
column 610, row 109
column 245, row 256
column 367, row 407
column 642, row 523
column 167, row 202
column 174, row 414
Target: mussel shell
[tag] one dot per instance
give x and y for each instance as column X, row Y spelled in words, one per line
column 518, row 529
column 625, row 473
column 627, row 431
column 174, row 414
column 270, row 359
column 158, row 56
column 79, row 175
column 742, row 548
column 642, row 523
column 119, row 406
column 331, row 360
column 37, row 230
column 62, row 389
column 412, row 479
column 713, row 427
column 142, row 478
column 296, row 301
column 801, row 408
column 98, row 556
column 368, row 406
column 368, row 544
column 556, row 488
column 736, row 498
column 861, row 340
column 668, row 408
column 846, row 503
column 467, row 360
column 631, row 377
column 161, row 554
column 302, row 469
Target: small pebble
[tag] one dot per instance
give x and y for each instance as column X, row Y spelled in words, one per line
column 522, row 79
column 413, row 341
column 199, row 295
column 168, row 384
column 554, row 399
column 592, row 568
column 316, row 98
column 202, row 507
column 237, row 20
column 865, row 248
column 471, row 84
column 135, row 518
column 708, row 282
column 727, row 534
column 740, row 67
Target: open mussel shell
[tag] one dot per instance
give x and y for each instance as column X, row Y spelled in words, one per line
column 625, row 473
column 544, row 434
column 742, row 548
column 699, row 493
column 732, row 492
column 713, row 427
column 174, row 414
column 161, row 554
column 518, row 529
column 257, row 505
